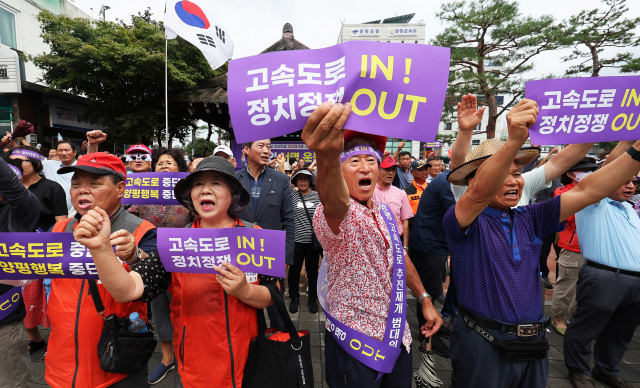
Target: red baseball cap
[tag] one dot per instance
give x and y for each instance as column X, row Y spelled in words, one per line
column 139, row 148
column 381, row 141
column 389, row 162
column 98, row 163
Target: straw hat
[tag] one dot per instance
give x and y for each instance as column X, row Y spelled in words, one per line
column 483, row 152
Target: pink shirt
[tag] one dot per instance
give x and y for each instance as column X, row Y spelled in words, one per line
column 359, row 267
column 397, row 201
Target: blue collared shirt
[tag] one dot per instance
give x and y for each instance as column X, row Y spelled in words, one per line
column 256, row 186
column 404, row 178
column 496, row 260
column 609, row 234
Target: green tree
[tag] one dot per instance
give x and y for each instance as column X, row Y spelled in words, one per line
column 119, row 67
column 592, row 31
column 201, row 147
column 492, row 45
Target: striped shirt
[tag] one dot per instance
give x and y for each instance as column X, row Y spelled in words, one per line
column 303, row 227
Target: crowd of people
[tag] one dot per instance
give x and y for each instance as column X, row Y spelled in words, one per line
column 376, row 219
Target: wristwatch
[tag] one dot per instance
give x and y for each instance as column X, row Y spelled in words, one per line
column 406, row 249
column 422, row 296
column 635, row 154
column 137, row 259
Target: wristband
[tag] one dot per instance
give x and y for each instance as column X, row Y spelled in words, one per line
column 635, row 154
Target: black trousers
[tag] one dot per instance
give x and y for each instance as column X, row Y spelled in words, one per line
column 609, row 310
column 345, row 371
column 430, row 268
column 478, row 364
column 304, row 252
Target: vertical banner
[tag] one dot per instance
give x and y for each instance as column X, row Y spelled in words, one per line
column 398, row 87
column 585, row 110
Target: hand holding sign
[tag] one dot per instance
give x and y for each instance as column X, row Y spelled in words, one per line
column 469, row 116
column 125, row 245
column 94, row 230
column 521, row 118
column 324, row 131
column 232, row 280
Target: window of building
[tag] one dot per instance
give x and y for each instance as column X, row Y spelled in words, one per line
column 8, row 28
column 447, row 126
column 6, row 112
column 475, row 142
column 392, row 144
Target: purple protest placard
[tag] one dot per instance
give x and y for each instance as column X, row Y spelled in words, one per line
column 196, row 250
column 290, row 149
column 389, row 85
column 44, row 255
column 585, row 110
column 152, row 188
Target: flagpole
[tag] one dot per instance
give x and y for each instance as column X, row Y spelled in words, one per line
column 166, row 87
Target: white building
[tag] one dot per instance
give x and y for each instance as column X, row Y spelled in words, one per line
column 395, row 30
column 22, row 96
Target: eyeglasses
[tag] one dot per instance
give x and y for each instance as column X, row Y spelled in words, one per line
column 134, row 157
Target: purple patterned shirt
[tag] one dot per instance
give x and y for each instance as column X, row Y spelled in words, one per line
column 496, row 261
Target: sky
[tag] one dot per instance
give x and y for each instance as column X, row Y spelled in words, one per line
column 255, row 25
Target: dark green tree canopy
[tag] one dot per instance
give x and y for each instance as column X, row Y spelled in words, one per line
column 592, row 31
column 119, row 67
column 492, row 45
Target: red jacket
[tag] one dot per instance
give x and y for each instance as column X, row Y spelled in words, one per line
column 211, row 330
column 568, row 238
column 76, row 327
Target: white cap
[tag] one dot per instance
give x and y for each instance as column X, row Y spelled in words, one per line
column 223, row 148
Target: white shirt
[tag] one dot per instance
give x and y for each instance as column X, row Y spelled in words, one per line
column 50, row 169
column 534, row 181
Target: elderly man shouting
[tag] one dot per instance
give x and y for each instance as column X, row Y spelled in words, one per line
column 72, row 359
column 365, row 264
column 499, row 342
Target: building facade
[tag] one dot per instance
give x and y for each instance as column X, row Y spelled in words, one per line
column 22, row 95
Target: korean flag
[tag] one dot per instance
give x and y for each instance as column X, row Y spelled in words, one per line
column 195, row 23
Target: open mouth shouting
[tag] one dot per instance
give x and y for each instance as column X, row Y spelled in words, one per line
column 207, row 204
column 365, row 184
column 84, row 204
column 511, row 194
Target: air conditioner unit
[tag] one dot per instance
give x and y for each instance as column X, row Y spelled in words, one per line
column 32, row 139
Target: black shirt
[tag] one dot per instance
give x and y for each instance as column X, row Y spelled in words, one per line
column 53, row 202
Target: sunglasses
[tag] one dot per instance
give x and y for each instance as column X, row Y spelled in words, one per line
column 135, row 157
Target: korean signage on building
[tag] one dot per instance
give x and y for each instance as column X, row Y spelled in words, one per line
column 9, row 71
column 403, row 31
column 69, row 115
column 366, row 31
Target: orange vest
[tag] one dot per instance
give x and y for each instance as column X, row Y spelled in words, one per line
column 72, row 355
column 211, row 330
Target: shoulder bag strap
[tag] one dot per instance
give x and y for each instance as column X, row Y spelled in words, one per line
column 306, row 211
column 95, row 295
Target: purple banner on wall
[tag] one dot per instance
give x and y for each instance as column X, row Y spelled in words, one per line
column 195, row 250
column 584, row 110
column 44, row 255
column 291, row 149
column 399, row 86
column 152, row 188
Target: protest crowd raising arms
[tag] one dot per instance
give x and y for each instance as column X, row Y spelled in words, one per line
column 408, row 267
